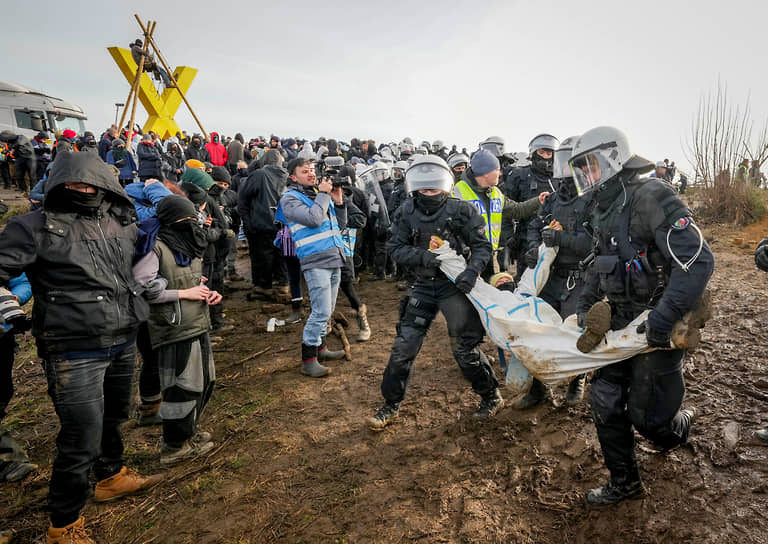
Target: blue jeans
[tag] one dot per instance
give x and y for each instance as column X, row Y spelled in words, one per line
column 323, row 285
column 92, row 397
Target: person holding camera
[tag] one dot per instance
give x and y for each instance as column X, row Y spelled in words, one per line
column 315, row 216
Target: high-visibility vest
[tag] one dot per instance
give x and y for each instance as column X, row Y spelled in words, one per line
column 463, row 191
column 311, row 240
column 350, row 237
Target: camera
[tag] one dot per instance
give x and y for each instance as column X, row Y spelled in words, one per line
column 331, row 169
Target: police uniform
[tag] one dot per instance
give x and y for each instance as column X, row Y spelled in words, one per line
column 458, row 223
column 648, row 254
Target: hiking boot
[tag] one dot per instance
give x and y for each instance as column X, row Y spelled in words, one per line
column 362, row 323
column 224, row 327
column 537, row 394
column 126, row 482
column 282, row 294
column 190, row 448
column 598, row 323
column 149, row 415
column 611, row 493
column 383, row 416
column 575, row 390
column 489, row 406
column 762, row 435
column 74, row 533
column 309, row 365
column 259, row 293
column 232, row 275
column 325, row 354
column 13, row 471
column 686, row 333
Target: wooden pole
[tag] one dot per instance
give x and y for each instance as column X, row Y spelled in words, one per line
column 136, row 83
column 127, row 104
column 172, row 78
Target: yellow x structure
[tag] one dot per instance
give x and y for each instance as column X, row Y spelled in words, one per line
column 161, row 108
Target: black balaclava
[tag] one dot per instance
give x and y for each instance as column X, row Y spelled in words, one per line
column 81, row 202
column 566, row 187
column 430, row 204
column 196, row 143
column 542, row 165
column 608, row 192
column 186, row 236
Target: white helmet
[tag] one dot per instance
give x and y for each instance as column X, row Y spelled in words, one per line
column 421, row 150
column 381, row 171
column 456, row 159
column 437, row 146
column 398, row 170
column 494, row 144
column 599, row 155
column 542, row 141
column 429, row 172
column 560, row 167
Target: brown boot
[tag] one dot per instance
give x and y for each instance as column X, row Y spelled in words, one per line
column 74, row 533
column 598, row 323
column 282, row 294
column 686, row 332
column 126, row 482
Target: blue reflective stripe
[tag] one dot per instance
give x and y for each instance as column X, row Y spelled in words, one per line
column 311, row 240
column 513, row 310
column 487, row 316
column 350, row 237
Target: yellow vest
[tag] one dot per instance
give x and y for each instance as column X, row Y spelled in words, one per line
column 463, row 191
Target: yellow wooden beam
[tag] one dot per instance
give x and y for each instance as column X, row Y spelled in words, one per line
column 160, row 108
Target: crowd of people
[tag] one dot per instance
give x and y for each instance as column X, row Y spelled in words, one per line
column 132, row 238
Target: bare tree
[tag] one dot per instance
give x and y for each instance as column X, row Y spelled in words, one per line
column 721, row 137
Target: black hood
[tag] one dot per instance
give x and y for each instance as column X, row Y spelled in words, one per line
column 86, row 168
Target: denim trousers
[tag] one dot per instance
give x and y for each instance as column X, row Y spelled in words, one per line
column 92, row 397
column 323, row 285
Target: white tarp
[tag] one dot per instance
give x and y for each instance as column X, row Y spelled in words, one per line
column 529, row 327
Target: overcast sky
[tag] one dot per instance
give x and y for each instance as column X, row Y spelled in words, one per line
column 458, row 71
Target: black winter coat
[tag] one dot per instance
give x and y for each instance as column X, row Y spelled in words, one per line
column 258, row 197
column 150, row 162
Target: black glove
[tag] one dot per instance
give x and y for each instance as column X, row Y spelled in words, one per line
column 581, row 320
column 120, row 163
column 532, row 257
column 654, row 338
column 761, row 258
column 20, row 325
column 466, row 280
column 551, row 237
column 430, row 261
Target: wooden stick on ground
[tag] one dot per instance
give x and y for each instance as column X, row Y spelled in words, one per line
column 254, row 355
column 339, row 330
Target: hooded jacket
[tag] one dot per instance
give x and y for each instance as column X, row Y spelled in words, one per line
column 258, row 197
column 150, row 163
column 173, row 162
column 196, row 151
column 79, row 266
column 216, row 151
column 235, row 150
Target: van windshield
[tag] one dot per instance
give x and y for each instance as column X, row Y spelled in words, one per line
column 64, row 122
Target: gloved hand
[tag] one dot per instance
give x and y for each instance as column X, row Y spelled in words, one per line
column 20, row 325
column 532, row 257
column 466, row 280
column 430, row 261
column 120, row 163
column 550, row 237
column 581, row 320
column 654, row 338
column 761, row 258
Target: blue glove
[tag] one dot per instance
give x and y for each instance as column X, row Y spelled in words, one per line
column 466, row 280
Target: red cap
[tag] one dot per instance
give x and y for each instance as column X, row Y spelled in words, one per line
column 69, row 133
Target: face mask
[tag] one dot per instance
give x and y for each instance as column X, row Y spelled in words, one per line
column 430, row 204
column 215, row 190
column 242, row 171
column 85, row 201
column 607, row 193
column 540, row 164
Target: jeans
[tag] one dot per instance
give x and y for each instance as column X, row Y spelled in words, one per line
column 92, row 398
column 323, row 285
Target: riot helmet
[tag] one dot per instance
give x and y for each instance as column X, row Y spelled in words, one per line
column 380, row 171
column 437, row 146
column 546, row 143
column 494, row 144
column 599, row 155
column 458, row 163
column 560, row 167
column 421, row 150
column 398, row 170
column 426, row 144
column 430, row 172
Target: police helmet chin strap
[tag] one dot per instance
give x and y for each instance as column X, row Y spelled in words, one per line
column 692, row 260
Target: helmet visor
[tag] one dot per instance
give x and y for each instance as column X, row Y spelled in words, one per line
column 560, row 167
column 425, row 175
column 495, row 148
column 592, row 169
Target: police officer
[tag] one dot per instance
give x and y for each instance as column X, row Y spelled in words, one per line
column 383, row 267
column 648, row 253
column 561, row 222
column 431, row 212
column 761, row 260
column 523, row 183
column 478, row 186
column 458, row 162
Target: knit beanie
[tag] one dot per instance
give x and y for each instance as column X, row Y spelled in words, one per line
column 483, row 162
column 197, row 177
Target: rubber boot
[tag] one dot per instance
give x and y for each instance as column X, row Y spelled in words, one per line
column 598, row 323
column 362, row 323
column 309, row 365
column 575, row 390
column 537, row 394
column 325, row 354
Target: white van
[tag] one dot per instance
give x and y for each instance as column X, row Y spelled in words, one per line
column 22, row 109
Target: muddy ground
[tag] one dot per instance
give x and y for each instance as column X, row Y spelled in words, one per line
column 295, row 462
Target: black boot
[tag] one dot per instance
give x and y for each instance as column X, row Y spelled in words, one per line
column 616, row 490
column 537, row 394
column 383, row 416
column 575, row 390
column 489, row 406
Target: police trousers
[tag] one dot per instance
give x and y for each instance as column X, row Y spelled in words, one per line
column 644, row 392
column 417, row 310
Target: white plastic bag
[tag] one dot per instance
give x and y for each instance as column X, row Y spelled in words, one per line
column 528, row 326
